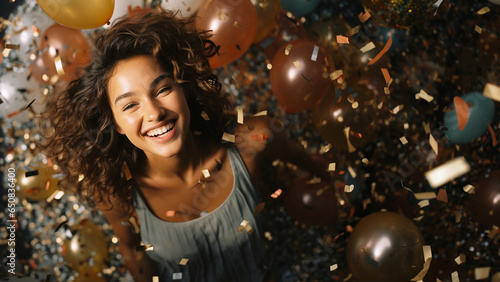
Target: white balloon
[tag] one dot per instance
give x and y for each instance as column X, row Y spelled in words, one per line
column 186, row 8
column 16, row 92
column 122, row 9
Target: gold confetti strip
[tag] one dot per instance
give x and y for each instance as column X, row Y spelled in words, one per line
column 434, row 144
column 352, row 172
column 205, row 116
column 126, row 171
column 223, row 16
column 263, row 113
column 423, row 272
column 239, row 111
column 314, row 55
column 403, row 140
column 425, row 195
column 170, row 213
column 454, row 277
column 492, row 91
column 155, row 279
column 363, row 17
column 56, row 195
column 183, row 261
column 297, row 64
column 342, row 39
column 469, row 189
column 483, row 11
column 314, row 180
column 206, row 173
column 460, row 259
column 447, row 172
column 287, row 49
column 423, row 203
column 228, row 137
column 242, row 226
column 418, row 218
column 397, row 109
column 59, row 66
column 333, row 267
column 336, row 74
column 276, row 193
column 367, row 47
column 478, row 29
column 427, row 127
column 458, row 216
column 482, row 272
column 144, row 248
column 237, row 24
column 331, row 167
column 348, row 277
column 349, row 188
column 134, row 224
column 423, row 95
column 350, row 147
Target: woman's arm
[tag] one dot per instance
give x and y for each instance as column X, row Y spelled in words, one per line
column 140, row 266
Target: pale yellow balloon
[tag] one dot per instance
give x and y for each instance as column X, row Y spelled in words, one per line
column 79, row 14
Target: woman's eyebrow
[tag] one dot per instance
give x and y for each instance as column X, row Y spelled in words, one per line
column 157, row 80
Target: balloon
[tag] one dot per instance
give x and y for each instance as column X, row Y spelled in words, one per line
column 385, row 246
column 289, row 29
column 300, row 75
column 37, row 187
column 122, row 9
column 486, row 201
column 233, row 24
column 268, row 14
column 311, row 204
column 400, row 13
column 481, row 112
column 300, row 7
column 87, row 250
column 72, row 48
column 79, row 14
column 351, row 108
column 186, row 8
column 16, row 92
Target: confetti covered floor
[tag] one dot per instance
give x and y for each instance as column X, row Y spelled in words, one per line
column 442, row 56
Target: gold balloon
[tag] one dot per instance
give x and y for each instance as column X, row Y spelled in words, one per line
column 354, row 108
column 268, row 14
column 385, row 246
column 79, row 14
column 87, row 250
column 38, row 185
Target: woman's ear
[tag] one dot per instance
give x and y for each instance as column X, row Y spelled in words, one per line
column 119, row 130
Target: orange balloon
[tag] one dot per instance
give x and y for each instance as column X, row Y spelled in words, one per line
column 66, row 50
column 233, row 24
column 486, row 201
column 268, row 13
column 300, row 75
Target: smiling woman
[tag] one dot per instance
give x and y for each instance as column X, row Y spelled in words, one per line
column 140, row 135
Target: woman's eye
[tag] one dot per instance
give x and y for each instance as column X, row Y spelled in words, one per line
column 128, row 106
column 164, row 90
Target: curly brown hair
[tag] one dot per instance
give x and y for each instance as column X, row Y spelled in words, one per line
column 80, row 134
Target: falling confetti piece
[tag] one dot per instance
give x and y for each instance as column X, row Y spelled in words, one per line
column 263, row 113
column 493, row 137
column 349, row 188
column 478, row 29
column 482, row 272
column 363, row 17
column 156, row 279
column 314, row 180
column 238, row 25
column 333, row 267
column 239, row 111
column 206, row 173
column 423, row 95
column 59, row 66
column 336, row 74
column 403, row 140
column 427, row 127
column 367, row 47
column 492, row 91
column 423, row 203
column 386, row 74
column 350, row 147
column 381, row 53
column 177, row 276
column 297, row 64
column 342, row 39
column 314, row 55
column 287, row 49
column 458, row 216
column 242, row 226
column 447, row 172
column 126, row 171
column 454, row 277
column 442, row 196
column 276, row 194
column 462, row 110
column 352, row 172
column 434, row 144
column 170, row 213
column 223, row 16
column 483, row 11
column 397, row 109
column 144, row 248
column 205, row 116
column 183, row 261
column 423, row 272
column 228, row 137
column 331, row 167
column 425, row 195
column 460, row 259
column 260, row 207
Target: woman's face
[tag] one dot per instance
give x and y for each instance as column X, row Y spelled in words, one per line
column 148, row 106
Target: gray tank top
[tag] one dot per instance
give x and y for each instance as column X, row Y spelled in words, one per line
column 216, row 250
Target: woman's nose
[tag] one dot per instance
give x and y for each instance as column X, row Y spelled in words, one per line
column 152, row 111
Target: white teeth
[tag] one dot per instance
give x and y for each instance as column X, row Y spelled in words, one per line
column 161, row 130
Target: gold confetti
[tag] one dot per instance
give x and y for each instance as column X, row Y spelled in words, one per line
column 349, row 188
column 367, row 47
column 205, row 116
column 242, row 226
column 223, row 16
column 237, row 24
column 239, row 110
column 183, row 261
column 494, row 229
column 56, row 195
column 403, row 140
column 423, row 203
column 314, row 180
column 59, row 66
column 365, row 161
column 263, row 113
column 460, row 259
column 144, row 248
column 447, row 172
column 206, row 173
column 276, row 193
column 482, row 272
column 126, row 171
column 458, row 216
column 342, row 39
column 331, row 167
column 363, row 17
column 333, row 267
column 423, row 272
column 134, row 224
column 427, row 127
column 297, row 64
column 469, row 189
column 156, row 279
column 478, row 29
column 423, row 95
column 350, row 147
column 314, row 55
column 425, row 195
column 483, row 11
column 336, row 74
column 397, row 109
column 352, row 172
column 228, row 137
column 454, row 277
column 434, row 144
column 170, row 213
column 287, row 49
column 492, row 91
